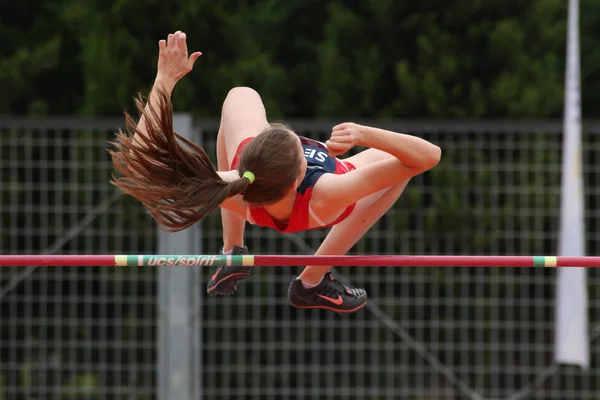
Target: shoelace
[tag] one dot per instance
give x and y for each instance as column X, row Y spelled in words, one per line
column 356, row 293
column 336, row 288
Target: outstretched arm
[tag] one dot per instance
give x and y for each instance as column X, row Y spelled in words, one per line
column 412, row 156
column 173, row 64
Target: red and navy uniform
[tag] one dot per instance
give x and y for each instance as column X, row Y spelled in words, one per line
column 319, row 162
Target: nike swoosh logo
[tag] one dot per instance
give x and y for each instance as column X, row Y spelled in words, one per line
column 216, row 273
column 337, row 301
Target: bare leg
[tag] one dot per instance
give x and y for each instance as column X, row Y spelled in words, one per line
column 243, row 116
column 344, row 235
column 368, row 211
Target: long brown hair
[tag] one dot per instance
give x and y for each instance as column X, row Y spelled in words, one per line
column 273, row 157
column 174, row 178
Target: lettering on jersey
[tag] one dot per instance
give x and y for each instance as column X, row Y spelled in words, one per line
column 315, row 154
column 318, row 161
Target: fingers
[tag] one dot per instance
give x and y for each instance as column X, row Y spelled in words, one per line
column 336, row 149
column 340, row 137
column 174, row 40
column 176, row 44
column 341, row 126
column 334, row 145
column 339, row 142
column 193, row 58
column 182, row 43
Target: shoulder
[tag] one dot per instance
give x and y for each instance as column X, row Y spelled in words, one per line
column 318, row 163
column 321, row 193
column 322, row 202
column 313, row 175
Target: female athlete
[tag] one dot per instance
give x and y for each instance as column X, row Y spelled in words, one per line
column 267, row 175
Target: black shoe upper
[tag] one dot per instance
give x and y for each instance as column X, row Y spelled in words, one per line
column 224, row 280
column 329, row 294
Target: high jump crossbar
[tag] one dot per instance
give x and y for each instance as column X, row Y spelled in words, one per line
column 294, row 260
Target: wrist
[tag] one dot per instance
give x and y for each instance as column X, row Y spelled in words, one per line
column 363, row 133
column 165, row 83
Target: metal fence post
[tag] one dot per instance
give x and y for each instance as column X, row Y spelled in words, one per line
column 179, row 340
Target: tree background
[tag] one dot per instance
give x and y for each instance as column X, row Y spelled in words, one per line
column 362, row 59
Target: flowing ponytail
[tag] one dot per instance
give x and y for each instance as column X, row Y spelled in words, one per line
column 170, row 175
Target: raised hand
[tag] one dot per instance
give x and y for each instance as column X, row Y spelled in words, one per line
column 173, row 60
column 344, row 137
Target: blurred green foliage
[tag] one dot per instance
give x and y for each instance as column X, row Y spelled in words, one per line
column 362, row 58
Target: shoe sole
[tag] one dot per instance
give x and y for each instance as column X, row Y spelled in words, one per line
column 238, row 276
column 331, row 308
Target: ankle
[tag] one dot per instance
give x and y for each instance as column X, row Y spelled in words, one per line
column 310, row 283
column 313, row 275
column 228, row 247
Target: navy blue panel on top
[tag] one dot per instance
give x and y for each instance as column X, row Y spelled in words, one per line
column 319, row 162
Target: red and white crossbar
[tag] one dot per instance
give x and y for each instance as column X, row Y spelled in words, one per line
column 292, row 260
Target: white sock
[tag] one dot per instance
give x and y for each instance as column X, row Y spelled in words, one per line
column 226, row 253
column 310, row 285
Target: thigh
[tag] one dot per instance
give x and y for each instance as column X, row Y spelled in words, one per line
column 368, row 211
column 243, row 116
column 222, row 162
column 367, row 157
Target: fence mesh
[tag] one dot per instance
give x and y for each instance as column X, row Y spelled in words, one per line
column 72, row 333
column 428, row 333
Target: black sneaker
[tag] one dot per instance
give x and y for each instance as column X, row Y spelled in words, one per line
column 224, row 281
column 329, row 295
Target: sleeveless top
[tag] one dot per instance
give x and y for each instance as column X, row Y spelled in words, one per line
column 319, row 162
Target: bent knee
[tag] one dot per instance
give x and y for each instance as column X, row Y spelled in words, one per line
column 242, row 91
column 244, row 102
